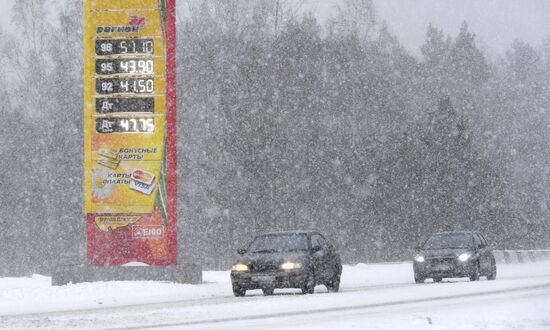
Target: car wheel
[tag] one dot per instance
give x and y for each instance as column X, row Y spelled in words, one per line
column 238, row 291
column 493, row 274
column 268, row 291
column 418, row 278
column 475, row 275
column 437, row 279
column 334, row 284
column 309, row 284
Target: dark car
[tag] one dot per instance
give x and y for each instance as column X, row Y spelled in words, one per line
column 293, row 259
column 454, row 254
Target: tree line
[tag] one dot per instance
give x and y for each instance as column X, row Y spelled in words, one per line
column 289, row 122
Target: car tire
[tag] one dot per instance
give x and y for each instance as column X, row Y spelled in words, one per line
column 238, row 291
column 268, row 291
column 493, row 273
column 474, row 276
column 418, row 278
column 309, row 284
column 334, row 284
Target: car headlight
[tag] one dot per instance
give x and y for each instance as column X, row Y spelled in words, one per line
column 291, row 265
column 419, row 258
column 464, row 257
column 240, row 267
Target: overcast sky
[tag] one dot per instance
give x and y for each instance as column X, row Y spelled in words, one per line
column 496, row 22
column 5, row 13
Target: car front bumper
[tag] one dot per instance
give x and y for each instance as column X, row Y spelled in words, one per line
column 280, row 279
column 449, row 267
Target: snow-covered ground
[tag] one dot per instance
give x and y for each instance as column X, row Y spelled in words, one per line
column 374, row 296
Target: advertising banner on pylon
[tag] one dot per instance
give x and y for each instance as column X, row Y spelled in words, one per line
column 129, row 132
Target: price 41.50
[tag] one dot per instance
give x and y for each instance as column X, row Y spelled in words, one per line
column 125, row 86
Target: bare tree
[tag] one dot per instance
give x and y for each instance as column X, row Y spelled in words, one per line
column 356, row 16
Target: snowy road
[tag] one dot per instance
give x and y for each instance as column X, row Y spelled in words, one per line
column 528, row 310
column 378, row 296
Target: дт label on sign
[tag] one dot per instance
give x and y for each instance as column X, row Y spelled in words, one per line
column 127, row 104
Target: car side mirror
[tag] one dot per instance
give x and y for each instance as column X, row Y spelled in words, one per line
column 316, row 249
column 241, row 251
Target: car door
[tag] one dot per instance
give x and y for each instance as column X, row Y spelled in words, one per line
column 487, row 253
column 484, row 258
column 333, row 262
column 319, row 257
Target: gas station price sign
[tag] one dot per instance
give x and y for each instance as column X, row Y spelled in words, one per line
column 129, row 138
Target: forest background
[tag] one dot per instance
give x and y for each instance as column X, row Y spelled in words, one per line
column 289, row 122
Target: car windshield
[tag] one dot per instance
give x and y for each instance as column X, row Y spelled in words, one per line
column 449, row 241
column 279, row 243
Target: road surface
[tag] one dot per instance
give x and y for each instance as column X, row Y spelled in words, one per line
column 380, row 296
